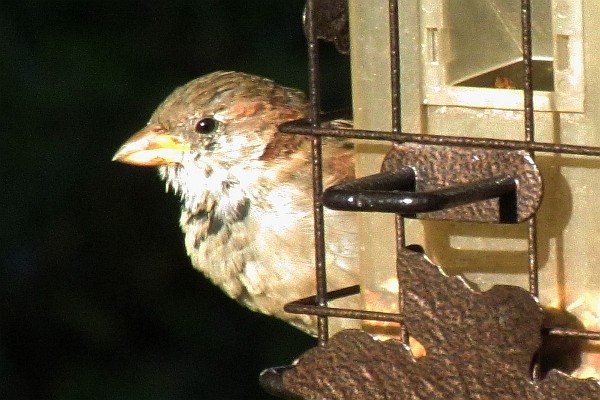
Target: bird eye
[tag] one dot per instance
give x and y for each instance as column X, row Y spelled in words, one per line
column 206, row 125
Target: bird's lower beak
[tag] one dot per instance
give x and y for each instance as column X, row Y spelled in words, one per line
column 152, row 146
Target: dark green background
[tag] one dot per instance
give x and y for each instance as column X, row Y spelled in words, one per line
column 98, row 300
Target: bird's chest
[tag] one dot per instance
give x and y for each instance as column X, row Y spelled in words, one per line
column 255, row 257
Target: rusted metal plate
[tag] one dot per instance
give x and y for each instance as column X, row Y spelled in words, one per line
column 446, row 166
column 480, row 345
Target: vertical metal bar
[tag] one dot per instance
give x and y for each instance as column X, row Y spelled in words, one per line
column 396, row 128
column 532, row 255
column 317, row 170
column 528, row 110
column 529, row 133
column 395, row 65
column 395, row 100
column 400, row 235
column 527, row 69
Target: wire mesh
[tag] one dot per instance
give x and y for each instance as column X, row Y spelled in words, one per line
column 317, row 305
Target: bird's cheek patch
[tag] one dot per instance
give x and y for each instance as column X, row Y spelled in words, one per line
column 243, row 109
column 288, row 114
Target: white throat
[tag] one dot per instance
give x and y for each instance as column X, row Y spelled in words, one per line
column 210, row 187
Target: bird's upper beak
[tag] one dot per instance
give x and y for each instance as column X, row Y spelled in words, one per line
column 152, row 146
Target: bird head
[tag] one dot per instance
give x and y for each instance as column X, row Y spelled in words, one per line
column 215, row 137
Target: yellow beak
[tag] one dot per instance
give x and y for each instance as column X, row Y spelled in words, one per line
column 150, row 147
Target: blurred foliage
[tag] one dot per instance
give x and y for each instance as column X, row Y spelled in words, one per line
column 98, row 297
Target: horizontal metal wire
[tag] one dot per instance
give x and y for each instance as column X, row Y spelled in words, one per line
column 309, row 305
column 572, row 333
column 302, row 127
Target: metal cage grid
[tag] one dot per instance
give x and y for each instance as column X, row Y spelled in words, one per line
column 318, row 305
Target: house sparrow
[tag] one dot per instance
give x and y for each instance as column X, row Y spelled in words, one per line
column 246, row 190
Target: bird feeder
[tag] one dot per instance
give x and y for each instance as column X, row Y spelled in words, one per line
column 461, row 75
column 492, row 111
